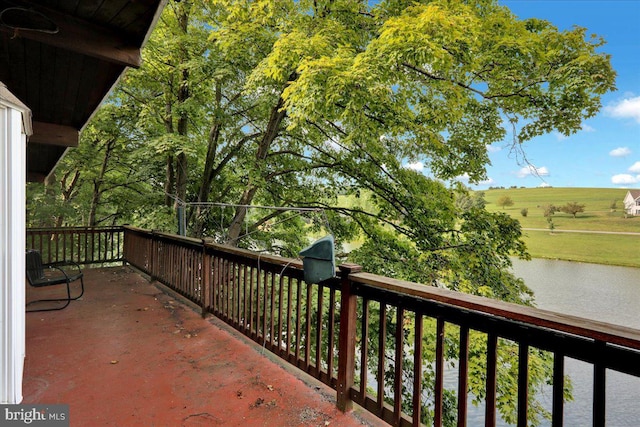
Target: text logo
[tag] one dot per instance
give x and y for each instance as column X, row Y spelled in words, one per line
column 34, row 415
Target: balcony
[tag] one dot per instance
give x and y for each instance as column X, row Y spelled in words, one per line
column 130, row 354
column 171, row 363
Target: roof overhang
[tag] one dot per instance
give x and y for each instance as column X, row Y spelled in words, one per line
column 61, row 58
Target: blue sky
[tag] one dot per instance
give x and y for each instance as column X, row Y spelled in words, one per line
column 606, row 153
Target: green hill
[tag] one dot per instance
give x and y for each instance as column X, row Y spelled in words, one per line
column 598, row 215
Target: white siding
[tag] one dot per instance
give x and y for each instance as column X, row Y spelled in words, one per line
column 12, row 249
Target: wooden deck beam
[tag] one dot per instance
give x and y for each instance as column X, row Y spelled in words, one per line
column 76, row 35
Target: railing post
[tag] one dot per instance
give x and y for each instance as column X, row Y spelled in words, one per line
column 347, row 339
column 205, row 292
column 152, row 256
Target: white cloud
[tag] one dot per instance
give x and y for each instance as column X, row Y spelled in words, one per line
column 628, row 108
column 544, row 185
column 487, row 181
column 416, row 166
column 625, row 179
column 620, row 152
column 560, row 137
column 532, row 170
column 587, row 128
column 635, row 168
column 493, row 148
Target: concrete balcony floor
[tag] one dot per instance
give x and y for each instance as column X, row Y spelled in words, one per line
column 128, row 354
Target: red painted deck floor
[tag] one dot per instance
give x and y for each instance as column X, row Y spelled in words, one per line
column 127, row 354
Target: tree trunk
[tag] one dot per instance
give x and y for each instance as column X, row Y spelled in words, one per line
column 209, row 172
column 182, row 164
column 97, row 183
column 169, row 182
column 273, row 127
column 67, row 192
column 170, row 174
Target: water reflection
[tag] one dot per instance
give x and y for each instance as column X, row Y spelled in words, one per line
column 604, row 293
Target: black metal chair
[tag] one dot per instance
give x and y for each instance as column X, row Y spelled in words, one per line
column 40, row 275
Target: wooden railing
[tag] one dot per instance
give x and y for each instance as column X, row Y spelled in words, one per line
column 373, row 338
column 84, row 245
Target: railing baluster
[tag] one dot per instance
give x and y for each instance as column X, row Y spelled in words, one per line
column 239, row 295
column 319, row 321
column 463, row 376
column 206, row 281
column 557, row 419
column 272, row 320
column 92, row 246
column 234, row 284
column 523, row 384
column 298, row 319
column 364, row 347
column 439, row 383
column 265, row 296
column 226, row 293
column 49, row 258
column 307, row 339
column 599, row 387
column 330, row 331
column 57, row 244
column 246, row 297
column 252, row 306
column 64, row 245
column 490, row 400
column 258, row 300
column 397, row 374
column 382, row 342
column 417, row 370
column 279, row 341
column 289, row 314
column 216, row 285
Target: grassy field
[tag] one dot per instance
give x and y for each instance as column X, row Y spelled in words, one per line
column 598, row 216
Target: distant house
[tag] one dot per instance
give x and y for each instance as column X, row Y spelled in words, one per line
column 632, row 202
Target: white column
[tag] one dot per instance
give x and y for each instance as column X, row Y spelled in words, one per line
column 12, row 249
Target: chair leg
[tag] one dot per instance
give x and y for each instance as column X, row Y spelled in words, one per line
column 68, row 301
column 81, row 289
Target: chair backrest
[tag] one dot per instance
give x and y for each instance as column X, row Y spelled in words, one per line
column 35, row 271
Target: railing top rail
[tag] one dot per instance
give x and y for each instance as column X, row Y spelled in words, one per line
column 62, row 229
column 593, row 329
column 166, row 236
column 292, row 263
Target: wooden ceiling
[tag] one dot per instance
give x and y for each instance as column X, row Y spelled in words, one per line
column 61, row 58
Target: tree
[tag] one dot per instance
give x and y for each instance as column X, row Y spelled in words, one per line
column 549, row 210
column 359, row 88
column 504, row 201
column 466, row 200
column 176, row 96
column 107, row 180
column 573, row 208
column 524, row 212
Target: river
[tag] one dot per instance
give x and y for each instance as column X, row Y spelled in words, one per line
column 605, row 293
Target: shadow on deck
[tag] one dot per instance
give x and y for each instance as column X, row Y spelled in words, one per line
column 129, row 354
